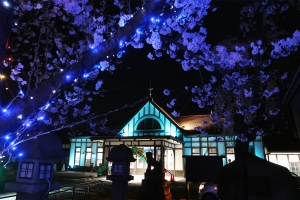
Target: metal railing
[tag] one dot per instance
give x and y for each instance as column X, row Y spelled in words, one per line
column 87, row 189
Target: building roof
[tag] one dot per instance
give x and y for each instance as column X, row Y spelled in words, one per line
column 189, row 122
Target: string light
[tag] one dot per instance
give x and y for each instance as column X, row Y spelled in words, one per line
column 47, row 106
column 6, row 4
column 20, row 117
column 40, row 118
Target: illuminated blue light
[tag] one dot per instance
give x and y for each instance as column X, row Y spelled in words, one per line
column 20, row 154
column 40, row 118
column 47, row 106
column 28, row 124
column 4, row 110
column 7, row 137
column 68, row 76
column 121, row 44
column 152, row 19
column 5, row 3
column 157, row 20
column 85, row 75
column 14, row 148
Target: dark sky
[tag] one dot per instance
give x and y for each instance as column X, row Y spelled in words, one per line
column 133, row 80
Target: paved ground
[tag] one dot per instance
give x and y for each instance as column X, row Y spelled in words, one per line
column 68, row 179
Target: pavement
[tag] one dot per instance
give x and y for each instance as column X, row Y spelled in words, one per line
column 68, row 179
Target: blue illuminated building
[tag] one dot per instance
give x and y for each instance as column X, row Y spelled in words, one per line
column 168, row 138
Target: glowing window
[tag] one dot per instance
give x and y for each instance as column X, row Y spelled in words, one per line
column 26, row 170
column 148, row 123
column 45, row 171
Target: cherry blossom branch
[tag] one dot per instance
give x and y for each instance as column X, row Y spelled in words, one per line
column 15, row 142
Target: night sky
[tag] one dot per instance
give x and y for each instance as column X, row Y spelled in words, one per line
column 131, row 80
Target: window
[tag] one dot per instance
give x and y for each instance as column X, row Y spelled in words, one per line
column 118, row 168
column 66, row 146
column 45, row 171
column 88, row 155
column 295, row 167
column 77, row 156
column 26, row 170
column 251, row 148
column 148, row 123
column 99, row 156
column 195, row 152
column 230, row 154
column 212, row 151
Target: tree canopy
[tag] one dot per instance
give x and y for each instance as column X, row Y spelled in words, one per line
column 58, row 48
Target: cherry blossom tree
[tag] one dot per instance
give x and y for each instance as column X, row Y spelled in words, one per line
column 58, row 48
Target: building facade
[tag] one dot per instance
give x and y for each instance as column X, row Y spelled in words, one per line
column 169, row 139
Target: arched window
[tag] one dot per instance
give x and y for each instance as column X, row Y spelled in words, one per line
column 148, row 123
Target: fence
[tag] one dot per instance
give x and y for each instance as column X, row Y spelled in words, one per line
column 82, row 191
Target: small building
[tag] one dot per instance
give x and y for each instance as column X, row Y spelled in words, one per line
column 152, row 129
column 284, row 151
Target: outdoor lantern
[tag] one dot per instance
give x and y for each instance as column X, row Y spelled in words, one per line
column 35, row 170
column 120, row 156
